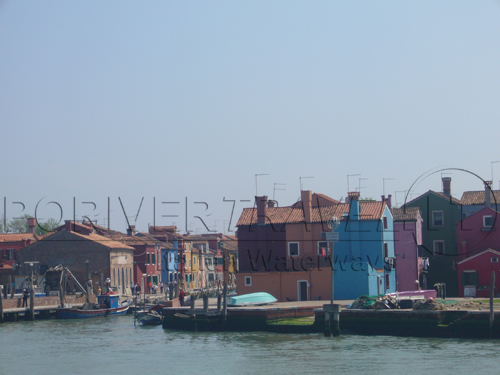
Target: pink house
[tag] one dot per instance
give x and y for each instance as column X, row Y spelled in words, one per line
column 407, row 239
column 478, row 232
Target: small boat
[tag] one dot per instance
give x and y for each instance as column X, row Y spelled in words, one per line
column 107, row 304
column 153, row 317
column 252, row 299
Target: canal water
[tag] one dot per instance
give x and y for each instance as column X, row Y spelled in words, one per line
column 114, row 346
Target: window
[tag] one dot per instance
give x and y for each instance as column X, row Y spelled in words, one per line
column 153, row 255
column 194, row 261
column 438, row 247
column 386, row 250
column 385, row 222
column 487, row 221
column 494, row 259
column 469, row 277
column 248, row 280
column 148, row 258
column 189, row 263
column 323, row 248
column 437, row 218
column 293, row 249
column 220, row 261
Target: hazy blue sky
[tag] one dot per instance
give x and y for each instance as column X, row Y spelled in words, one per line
column 192, row 99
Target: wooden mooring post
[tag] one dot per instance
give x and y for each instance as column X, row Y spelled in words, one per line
column 332, row 320
column 32, row 303
column 1, row 308
column 205, row 303
column 219, row 302
column 191, row 303
column 492, row 294
column 224, row 313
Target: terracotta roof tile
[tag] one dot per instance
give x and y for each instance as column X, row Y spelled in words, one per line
column 16, row 237
column 290, row 215
column 478, row 197
column 405, row 214
column 108, row 242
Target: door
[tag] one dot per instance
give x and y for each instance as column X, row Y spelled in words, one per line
column 302, row 290
column 96, row 282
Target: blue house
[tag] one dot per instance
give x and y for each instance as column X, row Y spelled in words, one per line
column 170, row 270
column 364, row 255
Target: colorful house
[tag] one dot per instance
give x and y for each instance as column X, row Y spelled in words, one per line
column 473, row 201
column 440, row 213
column 284, row 250
column 474, row 274
column 407, row 239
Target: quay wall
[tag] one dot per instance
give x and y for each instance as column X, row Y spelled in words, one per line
column 14, row 303
column 442, row 323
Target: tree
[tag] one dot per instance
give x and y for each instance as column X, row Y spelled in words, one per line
column 47, row 226
column 19, row 225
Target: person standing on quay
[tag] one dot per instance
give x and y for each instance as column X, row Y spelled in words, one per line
column 25, row 297
column 181, row 297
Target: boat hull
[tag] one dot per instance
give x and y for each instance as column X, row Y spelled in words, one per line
column 252, row 299
column 70, row 313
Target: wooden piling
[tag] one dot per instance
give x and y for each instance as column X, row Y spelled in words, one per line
column 1, row 309
column 224, row 301
column 205, row 304
column 332, row 320
column 32, row 302
column 191, row 303
column 219, row 302
column 492, row 294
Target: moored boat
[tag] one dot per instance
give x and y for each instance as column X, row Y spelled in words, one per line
column 152, row 317
column 107, row 304
column 252, row 299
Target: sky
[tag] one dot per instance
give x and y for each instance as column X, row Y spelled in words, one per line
column 188, row 101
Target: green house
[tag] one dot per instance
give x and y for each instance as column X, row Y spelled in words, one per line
column 440, row 213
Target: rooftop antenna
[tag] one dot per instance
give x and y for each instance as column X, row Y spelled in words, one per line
column 300, row 180
column 256, row 175
column 350, row 175
column 493, row 162
column 396, row 193
column 359, row 184
column 274, row 190
column 384, row 180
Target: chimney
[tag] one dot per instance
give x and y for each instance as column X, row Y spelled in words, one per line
column 487, row 193
column 306, row 197
column 31, row 225
column 389, row 201
column 446, row 186
column 131, row 230
column 270, row 203
column 261, row 203
column 353, row 205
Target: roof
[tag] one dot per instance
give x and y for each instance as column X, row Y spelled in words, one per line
column 16, row 237
column 103, row 240
column 405, row 214
column 480, row 253
column 291, row 215
column 478, row 197
column 318, row 199
column 441, row 195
